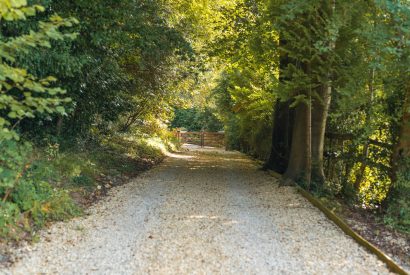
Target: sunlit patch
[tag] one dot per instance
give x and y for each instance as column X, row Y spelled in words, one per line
column 294, row 205
column 231, row 222
column 177, row 156
column 198, row 217
column 224, row 221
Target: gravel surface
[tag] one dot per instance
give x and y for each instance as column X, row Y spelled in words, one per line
column 200, row 212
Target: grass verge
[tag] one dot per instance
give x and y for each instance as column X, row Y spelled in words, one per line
column 42, row 185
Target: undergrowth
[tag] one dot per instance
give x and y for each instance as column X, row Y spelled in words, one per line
column 396, row 216
column 398, row 211
column 41, row 185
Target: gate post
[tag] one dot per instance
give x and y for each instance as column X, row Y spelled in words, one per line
column 202, row 138
column 179, row 136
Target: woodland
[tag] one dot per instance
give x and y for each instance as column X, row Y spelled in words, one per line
column 90, row 92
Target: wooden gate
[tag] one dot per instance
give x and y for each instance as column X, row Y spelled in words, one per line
column 209, row 139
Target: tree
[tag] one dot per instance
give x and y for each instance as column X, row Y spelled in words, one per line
column 22, row 94
column 307, row 39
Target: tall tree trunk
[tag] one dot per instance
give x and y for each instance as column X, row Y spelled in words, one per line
column 401, row 150
column 281, row 137
column 298, row 167
column 282, row 124
column 320, row 110
column 308, row 139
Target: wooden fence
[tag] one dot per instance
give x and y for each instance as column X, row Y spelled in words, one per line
column 209, row 139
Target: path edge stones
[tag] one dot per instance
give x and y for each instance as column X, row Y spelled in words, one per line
column 391, row 264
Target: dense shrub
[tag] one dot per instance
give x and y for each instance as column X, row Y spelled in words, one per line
column 29, row 194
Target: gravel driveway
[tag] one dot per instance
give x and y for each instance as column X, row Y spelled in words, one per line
column 200, row 212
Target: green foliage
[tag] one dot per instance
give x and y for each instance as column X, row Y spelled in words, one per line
column 35, row 185
column 121, row 73
column 14, row 161
column 12, row 10
column 287, row 49
column 26, row 196
column 398, row 212
column 28, row 199
column 246, row 111
column 126, row 69
column 130, row 66
column 9, row 216
column 196, row 120
column 23, row 94
column 244, row 95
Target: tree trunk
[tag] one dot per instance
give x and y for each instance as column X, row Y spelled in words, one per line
column 282, row 125
column 281, row 137
column 298, row 167
column 320, row 110
column 401, row 150
column 402, row 147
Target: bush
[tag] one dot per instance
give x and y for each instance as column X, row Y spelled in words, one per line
column 9, row 216
column 29, row 200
